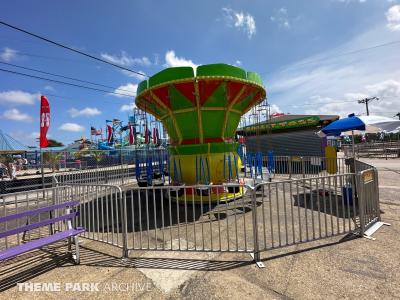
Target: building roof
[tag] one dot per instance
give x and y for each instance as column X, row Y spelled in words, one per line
column 322, row 118
column 288, row 123
column 10, row 145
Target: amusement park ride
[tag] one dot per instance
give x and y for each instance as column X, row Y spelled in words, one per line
column 201, row 110
column 141, row 132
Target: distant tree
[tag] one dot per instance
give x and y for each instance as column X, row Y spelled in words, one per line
column 54, row 143
column 53, row 159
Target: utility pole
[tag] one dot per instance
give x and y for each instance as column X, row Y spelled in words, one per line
column 366, row 100
column 397, row 115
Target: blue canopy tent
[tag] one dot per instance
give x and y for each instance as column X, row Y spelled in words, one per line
column 360, row 123
column 336, row 128
column 346, row 124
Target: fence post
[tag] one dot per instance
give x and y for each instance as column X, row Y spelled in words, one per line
column 361, row 208
column 122, row 167
column 256, row 254
column 290, row 166
column 376, row 194
column 124, row 217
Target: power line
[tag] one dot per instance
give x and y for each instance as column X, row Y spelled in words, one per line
column 69, row 48
column 350, row 52
column 366, row 101
column 63, row 82
column 62, row 76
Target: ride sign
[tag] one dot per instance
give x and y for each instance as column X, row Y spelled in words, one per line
column 44, row 121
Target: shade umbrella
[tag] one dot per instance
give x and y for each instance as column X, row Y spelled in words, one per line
column 359, row 123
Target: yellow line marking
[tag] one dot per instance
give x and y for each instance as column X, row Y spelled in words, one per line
column 199, row 119
column 212, row 108
column 184, row 110
column 228, row 109
column 178, row 132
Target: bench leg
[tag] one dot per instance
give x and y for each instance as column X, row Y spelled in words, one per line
column 69, row 245
column 77, row 254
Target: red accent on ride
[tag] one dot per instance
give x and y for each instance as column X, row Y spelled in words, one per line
column 187, row 90
column 163, row 94
column 207, row 88
column 257, row 97
column 233, row 89
column 44, row 121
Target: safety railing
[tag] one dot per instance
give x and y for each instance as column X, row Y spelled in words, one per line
column 100, row 211
column 217, row 218
column 382, row 149
column 295, row 166
column 189, row 218
column 302, row 210
column 368, row 189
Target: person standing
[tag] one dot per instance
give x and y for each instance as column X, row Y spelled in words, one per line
column 3, row 170
column 13, row 171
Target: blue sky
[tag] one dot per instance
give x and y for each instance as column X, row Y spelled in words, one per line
column 315, row 56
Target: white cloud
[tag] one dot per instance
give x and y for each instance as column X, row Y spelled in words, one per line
column 16, row 115
column 393, row 18
column 240, row 20
column 331, row 81
column 281, row 17
column 238, row 63
column 8, row 54
column 127, row 107
column 26, row 138
column 171, row 60
column 18, row 97
column 126, row 60
column 85, row 112
column 127, row 89
column 73, row 127
column 387, row 91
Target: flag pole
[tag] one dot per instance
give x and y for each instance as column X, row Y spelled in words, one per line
column 41, row 168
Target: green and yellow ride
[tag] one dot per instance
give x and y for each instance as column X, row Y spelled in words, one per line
column 201, row 110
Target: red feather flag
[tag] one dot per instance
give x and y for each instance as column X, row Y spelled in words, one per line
column 110, row 134
column 131, row 134
column 146, row 135
column 44, row 121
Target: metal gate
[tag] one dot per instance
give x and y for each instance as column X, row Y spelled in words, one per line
column 368, row 191
column 189, row 218
column 303, row 210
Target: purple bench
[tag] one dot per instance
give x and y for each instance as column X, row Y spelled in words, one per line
column 69, row 233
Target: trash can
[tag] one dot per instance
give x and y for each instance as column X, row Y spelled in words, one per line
column 347, row 194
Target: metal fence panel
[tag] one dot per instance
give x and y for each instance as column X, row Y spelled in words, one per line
column 212, row 218
column 195, row 221
column 100, row 211
column 302, row 210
